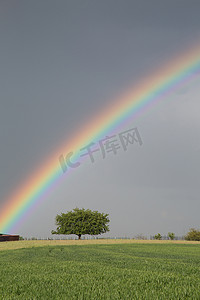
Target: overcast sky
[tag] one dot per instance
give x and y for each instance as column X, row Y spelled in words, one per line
column 64, row 61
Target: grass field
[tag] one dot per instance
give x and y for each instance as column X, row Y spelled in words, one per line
column 108, row 270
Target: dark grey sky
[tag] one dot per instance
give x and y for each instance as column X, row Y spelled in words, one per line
column 64, row 61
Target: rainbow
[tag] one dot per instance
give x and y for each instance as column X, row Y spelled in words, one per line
column 29, row 195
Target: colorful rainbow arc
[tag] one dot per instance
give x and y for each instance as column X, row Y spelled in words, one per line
column 145, row 93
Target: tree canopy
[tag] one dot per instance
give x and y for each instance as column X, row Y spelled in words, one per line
column 193, row 235
column 81, row 222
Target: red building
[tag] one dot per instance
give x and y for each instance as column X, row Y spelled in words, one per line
column 8, row 237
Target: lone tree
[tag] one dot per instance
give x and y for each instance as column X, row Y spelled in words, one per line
column 81, row 221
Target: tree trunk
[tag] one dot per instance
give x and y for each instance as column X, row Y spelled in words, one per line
column 79, row 236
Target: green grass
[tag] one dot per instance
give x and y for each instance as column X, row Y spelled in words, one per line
column 123, row 271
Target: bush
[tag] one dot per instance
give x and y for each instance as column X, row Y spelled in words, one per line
column 158, row 236
column 171, row 235
column 193, row 235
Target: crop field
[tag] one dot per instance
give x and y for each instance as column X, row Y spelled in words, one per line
column 103, row 270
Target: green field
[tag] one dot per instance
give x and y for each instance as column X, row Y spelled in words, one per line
column 112, row 271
